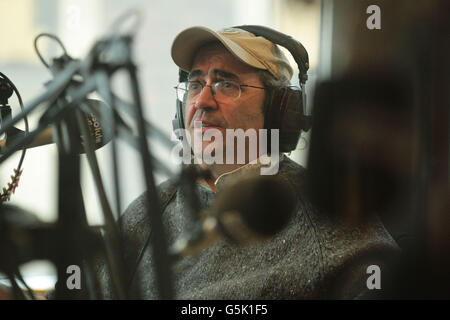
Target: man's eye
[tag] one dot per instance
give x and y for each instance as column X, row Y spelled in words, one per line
column 194, row 86
column 227, row 84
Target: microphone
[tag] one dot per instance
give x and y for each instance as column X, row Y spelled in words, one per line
column 101, row 134
column 247, row 212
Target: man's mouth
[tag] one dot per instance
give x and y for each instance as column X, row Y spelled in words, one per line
column 204, row 124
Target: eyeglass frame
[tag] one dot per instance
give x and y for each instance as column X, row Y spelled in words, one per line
column 213, row 91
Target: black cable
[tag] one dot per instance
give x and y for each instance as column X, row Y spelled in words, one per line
column 17, row 172
column 49, row 35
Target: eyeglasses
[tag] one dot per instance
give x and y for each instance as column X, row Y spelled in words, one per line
column 222, row 90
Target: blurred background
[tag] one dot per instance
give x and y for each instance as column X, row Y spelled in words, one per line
column 408, row 54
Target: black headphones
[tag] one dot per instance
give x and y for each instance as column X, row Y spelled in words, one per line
column 284, row 107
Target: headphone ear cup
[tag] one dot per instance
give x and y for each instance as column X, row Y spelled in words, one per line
column 291, row 120
column 285, row 112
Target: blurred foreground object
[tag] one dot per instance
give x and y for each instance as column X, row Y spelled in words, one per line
column 380, row 140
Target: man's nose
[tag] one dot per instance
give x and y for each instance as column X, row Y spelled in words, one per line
column 205, row 99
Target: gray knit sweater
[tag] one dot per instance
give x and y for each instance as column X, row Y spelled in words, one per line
column 314, row 257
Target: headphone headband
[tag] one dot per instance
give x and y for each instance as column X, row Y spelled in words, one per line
column 296, row 49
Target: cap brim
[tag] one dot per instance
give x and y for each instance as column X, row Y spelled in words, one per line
column 187, row 43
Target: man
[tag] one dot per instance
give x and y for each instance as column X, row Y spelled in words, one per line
column 315, row 256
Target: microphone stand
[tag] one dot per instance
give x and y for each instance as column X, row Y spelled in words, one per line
column 158, row 238
column 76, row 242
column 55, row 89
column 71, row 216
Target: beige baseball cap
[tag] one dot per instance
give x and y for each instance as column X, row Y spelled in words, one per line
column 255, row 51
